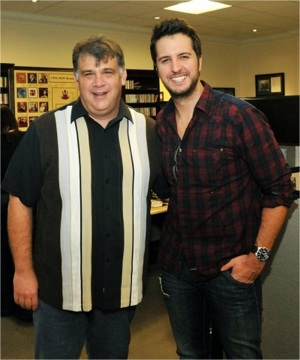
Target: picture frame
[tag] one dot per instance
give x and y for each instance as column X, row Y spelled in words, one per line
column 296, row 179
column 269, row 84
column 37, row 90
column 226, row 90
column 32, row 92
column 31, row 78
column 33, row 106
column 21, row 77
column 22, row 121
column 21, row 92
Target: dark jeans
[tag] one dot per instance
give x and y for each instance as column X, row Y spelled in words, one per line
column 61, row 334
column 235, row 310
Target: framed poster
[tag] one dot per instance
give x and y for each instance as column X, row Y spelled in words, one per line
column 38, row 90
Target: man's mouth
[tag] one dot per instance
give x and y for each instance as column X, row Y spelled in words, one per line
column 100, row 93
column 178, row 79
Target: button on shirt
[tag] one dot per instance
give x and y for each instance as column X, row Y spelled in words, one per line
column 229, row 166
column 107, row 205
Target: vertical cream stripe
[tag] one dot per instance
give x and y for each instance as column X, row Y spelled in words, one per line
column 138, row 139
column 86, row 213
column 135, row 188
column 69, row 183
column 127, row 212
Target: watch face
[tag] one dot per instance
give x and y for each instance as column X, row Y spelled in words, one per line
column 262, row 254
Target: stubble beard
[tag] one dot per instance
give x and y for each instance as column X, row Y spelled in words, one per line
column 183, row 94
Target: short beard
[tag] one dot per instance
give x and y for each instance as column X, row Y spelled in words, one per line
column 186, row 93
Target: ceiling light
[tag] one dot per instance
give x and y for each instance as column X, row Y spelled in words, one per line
column 197, row 6
column 254, row 30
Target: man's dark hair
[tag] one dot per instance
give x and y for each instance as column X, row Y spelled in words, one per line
column 101, row 47
column 171, row 27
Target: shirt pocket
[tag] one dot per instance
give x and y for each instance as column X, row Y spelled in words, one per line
column 213, row 167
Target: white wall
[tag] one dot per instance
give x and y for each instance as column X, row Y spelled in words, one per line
column 36, row 41
column 273, row 56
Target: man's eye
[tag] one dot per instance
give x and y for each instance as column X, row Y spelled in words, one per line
column 164, row 61
column 108, row 72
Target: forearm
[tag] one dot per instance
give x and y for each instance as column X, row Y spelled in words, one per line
column 272, row 221
column 20, row 237
column 20, row 234
column 246, row 268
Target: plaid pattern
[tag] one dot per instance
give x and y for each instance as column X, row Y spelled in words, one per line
column 229, row 167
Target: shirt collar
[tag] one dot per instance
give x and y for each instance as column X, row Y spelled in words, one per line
column 78, row 111
column 206, row 99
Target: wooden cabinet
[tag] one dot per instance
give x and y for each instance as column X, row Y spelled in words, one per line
column 6, row 85
column 142, row 91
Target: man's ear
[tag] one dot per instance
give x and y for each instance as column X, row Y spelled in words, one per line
column 76, row 81
column 124, row 77
column 200, row 63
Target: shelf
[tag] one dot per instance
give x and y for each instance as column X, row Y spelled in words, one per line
column 6, row 85
column 141, row 91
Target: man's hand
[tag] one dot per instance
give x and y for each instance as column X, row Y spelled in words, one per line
column 26, row 290
column 244, row 268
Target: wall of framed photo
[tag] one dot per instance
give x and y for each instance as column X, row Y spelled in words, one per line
column 38, row 90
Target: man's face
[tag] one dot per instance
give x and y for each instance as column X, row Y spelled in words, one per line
column 178, row 65
column 100, row 86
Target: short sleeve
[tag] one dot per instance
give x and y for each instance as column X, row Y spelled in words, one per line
column 24, row 174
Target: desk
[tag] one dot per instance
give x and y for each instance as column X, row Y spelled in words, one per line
column 158, row 209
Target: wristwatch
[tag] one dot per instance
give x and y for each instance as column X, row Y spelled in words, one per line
column 262, row 253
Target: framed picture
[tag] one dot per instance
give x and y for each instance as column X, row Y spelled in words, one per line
column 33, row 107
column 21, row 92
column 296, row 179
column 43, row 78
column 32, row 92
column 22, row 121
column 31, row 78
column 21, row 77
column 269, row 84
column 43, row 92
column 227, row 90
column 22, row 106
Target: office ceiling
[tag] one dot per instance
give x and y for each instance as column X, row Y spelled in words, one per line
column 270, row 18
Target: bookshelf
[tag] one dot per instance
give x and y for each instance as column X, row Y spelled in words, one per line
column 142, row 91
column 6, row 85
